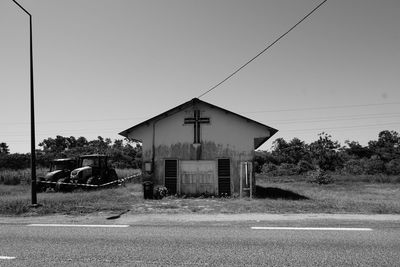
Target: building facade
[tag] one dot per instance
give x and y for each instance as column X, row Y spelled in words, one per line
column 198, row 148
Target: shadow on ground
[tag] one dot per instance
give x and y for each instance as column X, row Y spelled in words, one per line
column 275, row 193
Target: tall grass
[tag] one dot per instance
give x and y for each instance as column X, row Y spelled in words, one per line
column 15, row 177
column 123, row 173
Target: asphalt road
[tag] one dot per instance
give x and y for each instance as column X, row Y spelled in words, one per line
column 205, row 243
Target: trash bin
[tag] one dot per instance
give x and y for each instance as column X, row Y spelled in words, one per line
column 148, row 190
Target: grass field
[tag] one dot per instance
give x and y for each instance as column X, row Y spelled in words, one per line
column 346, row 195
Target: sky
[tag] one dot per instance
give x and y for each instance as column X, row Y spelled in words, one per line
column 102, row 66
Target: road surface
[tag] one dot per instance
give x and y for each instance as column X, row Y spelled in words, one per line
column 212, row 242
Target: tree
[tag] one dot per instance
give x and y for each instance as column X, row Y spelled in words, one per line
column 56, row 145
column 4, row 149
column 356, row 150
column 289, row 152
column 262, row 157
column 387, row 147
column 100, row 145
column 279, row 147
column 325, row 152
column 81, row 142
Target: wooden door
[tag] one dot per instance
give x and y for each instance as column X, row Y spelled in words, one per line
column 197, row 177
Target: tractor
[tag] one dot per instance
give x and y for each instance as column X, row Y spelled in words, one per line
column 93, row 170
column 59, row 169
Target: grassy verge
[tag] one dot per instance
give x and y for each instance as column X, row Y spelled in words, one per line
column 18, row 201
column 345, row 195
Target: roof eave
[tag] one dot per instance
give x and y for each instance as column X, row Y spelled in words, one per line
column 272, row 132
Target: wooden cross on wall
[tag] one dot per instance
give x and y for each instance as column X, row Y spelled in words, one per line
column 196, row 121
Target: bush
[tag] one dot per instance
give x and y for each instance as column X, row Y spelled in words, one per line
column 319, row 176
column 304, row 167
column 373, row 166
column 393, row 167
column 160, row 192
column 354, row 166
column 15, row 161
column 287, row 169
column 269, row 168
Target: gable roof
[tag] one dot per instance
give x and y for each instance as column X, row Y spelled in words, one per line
column 191, row 103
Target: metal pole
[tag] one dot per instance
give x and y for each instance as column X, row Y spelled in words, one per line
column 33, row 150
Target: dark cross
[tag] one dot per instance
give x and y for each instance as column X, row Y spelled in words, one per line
column 196, row 121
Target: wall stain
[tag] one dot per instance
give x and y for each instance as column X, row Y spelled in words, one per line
column 209, row 151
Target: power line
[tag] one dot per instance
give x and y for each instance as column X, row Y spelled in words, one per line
column 345, row 117
column 75, row 121
column 326, row 107
column 244, row 112
column 68, row 132
column 331, row 120
column 265, row 49
column 344, row 127
column 288, row 121
column 97, row 131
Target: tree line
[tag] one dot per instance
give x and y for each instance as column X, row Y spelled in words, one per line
column 122, row 153
column 285, row 158
column 297, row 157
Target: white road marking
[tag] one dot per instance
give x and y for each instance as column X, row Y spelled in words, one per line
column 6, row 258
column 311, row 228
column 80, row 225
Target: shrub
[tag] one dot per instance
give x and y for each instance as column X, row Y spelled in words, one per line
column 304, row 166
column 393, row 167
column 373, row 166
column 284, row 169
column 160, row 192
column 14, row 161
column 287, row 169
column 269, row 168
column 320, row 176
column 354, row 166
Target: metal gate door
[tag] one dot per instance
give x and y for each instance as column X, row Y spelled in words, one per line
column 224, row 177
column 197, row 177
column 171, row 175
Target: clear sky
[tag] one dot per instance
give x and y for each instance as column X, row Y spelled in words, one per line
column 101, row 66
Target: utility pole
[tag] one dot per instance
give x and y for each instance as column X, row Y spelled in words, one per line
column 32, row 100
